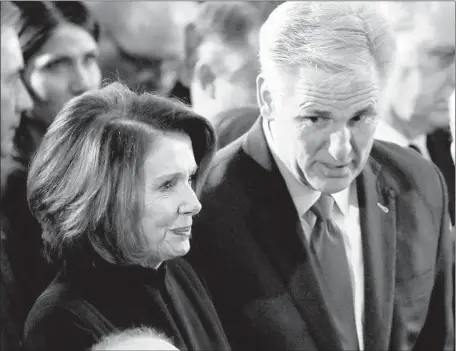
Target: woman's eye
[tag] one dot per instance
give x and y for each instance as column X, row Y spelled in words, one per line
column 313, row 119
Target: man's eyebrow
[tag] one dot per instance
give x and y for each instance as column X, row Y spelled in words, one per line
column 368, row 109
column 442, row 50
column 140, row 59
column 327, row 114
column 309, row 107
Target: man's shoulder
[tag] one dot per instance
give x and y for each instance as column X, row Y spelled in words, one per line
column 227, row 163
column 405, row 169
column 235, row 122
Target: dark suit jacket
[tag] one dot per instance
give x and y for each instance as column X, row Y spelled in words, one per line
column 247, row 248
column 234, row 122
column 438, row 145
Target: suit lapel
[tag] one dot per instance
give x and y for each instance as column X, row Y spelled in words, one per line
column 277, row 229
column 378, row 226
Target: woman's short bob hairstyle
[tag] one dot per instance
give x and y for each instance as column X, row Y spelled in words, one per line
column 85, row 185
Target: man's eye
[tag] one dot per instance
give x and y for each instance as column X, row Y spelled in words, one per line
column 192, row 179
column 312, row 119
column 168, row 185
column 357, row 118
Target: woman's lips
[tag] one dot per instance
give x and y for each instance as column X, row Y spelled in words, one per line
column 185, row 231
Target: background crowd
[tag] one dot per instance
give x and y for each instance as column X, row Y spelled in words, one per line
column 205, row 57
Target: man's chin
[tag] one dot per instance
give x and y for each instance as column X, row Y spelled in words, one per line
column 333, row 185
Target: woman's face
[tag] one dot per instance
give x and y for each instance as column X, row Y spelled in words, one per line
column 64, row 67
column 169, row 199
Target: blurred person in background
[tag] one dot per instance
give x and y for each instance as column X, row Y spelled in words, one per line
column 58, row 42
column 135, row 340
column 451, row 108
column 14, row 101
column 421, row 82
column 114, row 185
column 142, row 43
column 221, row 63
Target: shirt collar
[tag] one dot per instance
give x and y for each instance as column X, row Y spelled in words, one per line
column 303, row 197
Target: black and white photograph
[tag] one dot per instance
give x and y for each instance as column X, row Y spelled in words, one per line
column 227, row 175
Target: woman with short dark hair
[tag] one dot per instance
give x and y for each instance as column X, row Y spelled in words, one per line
column 113, row 185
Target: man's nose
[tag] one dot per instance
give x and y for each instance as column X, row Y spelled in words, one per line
column 340, row 145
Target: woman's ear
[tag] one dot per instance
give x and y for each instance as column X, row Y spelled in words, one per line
column 264, row 98
column 205, row 77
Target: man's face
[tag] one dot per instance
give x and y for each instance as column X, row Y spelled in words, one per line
column 424, row 76
column 154, row 71
column 323, row 124
column 151, row 60
column 224, row 76
column 237, row 87
column 14, row 97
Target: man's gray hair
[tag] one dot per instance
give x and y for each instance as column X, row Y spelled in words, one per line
column 10, row 16
column 339, row 37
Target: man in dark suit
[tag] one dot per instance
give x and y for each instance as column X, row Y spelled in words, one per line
column 423, row 78
column 14, row 101
column 312, row 236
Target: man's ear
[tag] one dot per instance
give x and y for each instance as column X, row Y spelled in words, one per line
column 264, row 98
column 205, row 77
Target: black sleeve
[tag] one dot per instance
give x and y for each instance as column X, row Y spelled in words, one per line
column 61, row 330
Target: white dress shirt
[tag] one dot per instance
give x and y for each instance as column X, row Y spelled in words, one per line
column 387, row 133
column 345, row 215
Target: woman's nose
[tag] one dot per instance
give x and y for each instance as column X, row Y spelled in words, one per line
column 190, row 205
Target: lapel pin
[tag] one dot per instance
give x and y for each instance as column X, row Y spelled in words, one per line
column 383, row 208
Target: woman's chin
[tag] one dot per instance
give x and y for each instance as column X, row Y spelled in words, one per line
column 182, row 249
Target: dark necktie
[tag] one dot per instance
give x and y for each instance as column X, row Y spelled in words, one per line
column 414, row 147
column 327, row 245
